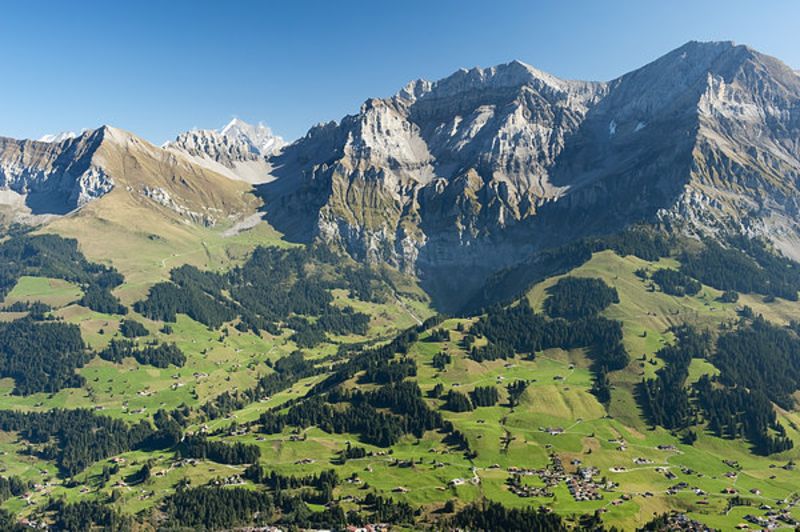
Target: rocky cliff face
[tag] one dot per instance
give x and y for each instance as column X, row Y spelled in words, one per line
column 53, row 177
column 461, row 177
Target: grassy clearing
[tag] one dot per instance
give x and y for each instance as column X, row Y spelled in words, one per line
column 53, row 292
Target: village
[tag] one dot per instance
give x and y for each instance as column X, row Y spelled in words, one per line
column 581, row 483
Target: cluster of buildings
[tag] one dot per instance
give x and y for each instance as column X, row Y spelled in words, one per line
column 581, row 484
column 772, row 519
column 234, row 480
column 677, row 521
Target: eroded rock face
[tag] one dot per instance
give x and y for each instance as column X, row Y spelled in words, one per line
column 461, row 177
column 54, row 177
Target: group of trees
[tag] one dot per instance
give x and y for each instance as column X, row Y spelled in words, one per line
column 675, row 283
column 199, row 446
column 57, row 257
column 439, row 335
column 573, row 298
column 158, row 355
column 761, row 356
column 365, row 413
column 132, row 329
column 515, row 391
column 665, row 399
column 759, row 365
column 287, row 371
column 745, row 265
column 333, row 320
column 74, row 439
column 740, row 413
column 386, row 510
column 41, row 356
column 100, row 299
column 274, row 287
column 456, row 401
column 380, row 416
column 216, row 508
column 518, row 329
column 386, row 372
column 12, row 487
column 323, row 483
column 441, row 360
column 86, row 516
column 488, row 515
column 485, row 396
column 36, row 309
column 223, row 508
column 365, row 359
column 643, row 242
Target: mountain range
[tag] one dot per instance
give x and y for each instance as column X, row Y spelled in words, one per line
column 544, row 304
column 475, row 174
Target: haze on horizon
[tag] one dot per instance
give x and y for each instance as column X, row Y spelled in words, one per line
column 160, row 68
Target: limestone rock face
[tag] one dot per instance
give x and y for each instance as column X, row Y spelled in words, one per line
column 54, row 177
column 459, row 178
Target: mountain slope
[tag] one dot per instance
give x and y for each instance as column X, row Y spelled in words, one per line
column 477, row 172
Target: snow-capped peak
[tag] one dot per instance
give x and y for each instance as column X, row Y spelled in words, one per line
column 259, row 137
column 58, row 137
column 238, row 150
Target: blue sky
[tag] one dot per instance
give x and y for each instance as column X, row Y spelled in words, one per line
column 157, row 68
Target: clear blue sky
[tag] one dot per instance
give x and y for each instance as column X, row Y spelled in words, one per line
column 160, row 67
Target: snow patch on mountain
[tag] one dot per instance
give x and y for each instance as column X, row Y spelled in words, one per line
column 58, row 137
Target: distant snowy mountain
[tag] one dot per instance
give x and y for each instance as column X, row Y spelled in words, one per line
column 58, row 137
column 238, row 150
column 259, row 137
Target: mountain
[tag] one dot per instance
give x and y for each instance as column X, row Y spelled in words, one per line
column 238, row 150
column 56, row 178
column 167, row 361
column 460, row 178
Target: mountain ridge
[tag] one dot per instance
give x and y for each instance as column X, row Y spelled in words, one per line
column 46, row 179
column 488, row 166
column 457, row 179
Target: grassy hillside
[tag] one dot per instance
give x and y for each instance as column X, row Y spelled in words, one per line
column 638, row 467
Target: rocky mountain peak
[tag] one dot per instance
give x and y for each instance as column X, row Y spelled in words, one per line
column 52, row 177
column 238, row 150
column 258, row 137
column 490, row 165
